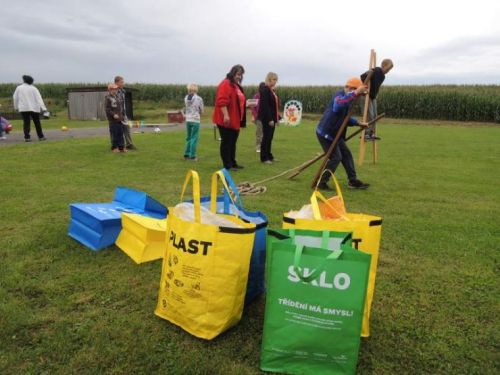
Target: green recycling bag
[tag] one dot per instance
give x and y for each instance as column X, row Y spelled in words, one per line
column 314, row 304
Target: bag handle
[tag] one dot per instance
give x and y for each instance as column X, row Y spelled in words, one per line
column 213, row 192
column 325, row 237
column 337, row 186
column 234, row 190
column 316, row 272
column 193, row 175
column 317, row 195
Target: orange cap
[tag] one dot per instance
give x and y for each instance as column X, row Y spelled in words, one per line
column 354, row 82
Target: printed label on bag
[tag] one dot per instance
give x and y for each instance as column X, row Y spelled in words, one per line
column 340, row 281
column 189, row 245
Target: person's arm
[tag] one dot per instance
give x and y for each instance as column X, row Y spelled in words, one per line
column 202, row 105
column 223, row 100
column 40, row 100
column 15, row 98
column 376, row 81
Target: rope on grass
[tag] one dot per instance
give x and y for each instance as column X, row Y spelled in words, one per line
column 247, row 188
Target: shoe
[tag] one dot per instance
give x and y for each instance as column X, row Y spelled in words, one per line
column 27, row 139
column 324, row 186
column 237, row 166
column 42, row 139
column 3, row 137
column 371, row 138
column 124, row 150
column 115, row 151
column 268, row 162
column 257, row 150
column 194, row 158
column 131, row 147
column 357, row 184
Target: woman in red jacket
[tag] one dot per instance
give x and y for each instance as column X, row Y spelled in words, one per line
column 230, row 115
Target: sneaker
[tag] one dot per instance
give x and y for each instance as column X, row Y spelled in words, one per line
column 194, row 158
column 257, row 150
column 268, row 162
column 27, row 139
column 115, row 151
column 42, row 139
column 131, row 147
column 124, row 150
column 357, row 184
column 371, row 138
column 3, row 137
column 324, row 186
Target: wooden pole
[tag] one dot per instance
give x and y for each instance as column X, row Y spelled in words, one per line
column 375, row 143
column 337, row 137
column 362, row 129
column 298, row 170
column 362, row 143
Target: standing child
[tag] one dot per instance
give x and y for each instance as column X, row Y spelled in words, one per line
column 5, row 127
column 193, row 110
column 255, row 119
column 114, row 113
column 375, row 83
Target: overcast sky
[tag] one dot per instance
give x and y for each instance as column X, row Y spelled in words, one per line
column 316, row 42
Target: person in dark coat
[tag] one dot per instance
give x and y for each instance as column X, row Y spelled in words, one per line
column 269, row 116
column 376, row 81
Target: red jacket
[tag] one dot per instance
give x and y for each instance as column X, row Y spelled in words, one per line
column 227, row 96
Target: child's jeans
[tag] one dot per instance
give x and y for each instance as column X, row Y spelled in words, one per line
column 116, row 132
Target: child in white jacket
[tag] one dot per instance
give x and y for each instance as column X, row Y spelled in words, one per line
column 193, row 110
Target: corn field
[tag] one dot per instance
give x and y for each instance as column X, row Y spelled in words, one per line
column 439, row 102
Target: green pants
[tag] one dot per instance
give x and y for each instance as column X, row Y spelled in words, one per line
column 193, row 131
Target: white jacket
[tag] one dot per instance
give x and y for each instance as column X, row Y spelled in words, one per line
column 27, row 98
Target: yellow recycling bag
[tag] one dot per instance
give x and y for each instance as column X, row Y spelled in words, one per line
column 366, row 231
column 205, row 267
column 142, row 238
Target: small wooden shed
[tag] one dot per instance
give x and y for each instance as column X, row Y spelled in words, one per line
column 87, row 103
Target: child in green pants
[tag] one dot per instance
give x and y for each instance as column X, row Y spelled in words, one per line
column 193, row 110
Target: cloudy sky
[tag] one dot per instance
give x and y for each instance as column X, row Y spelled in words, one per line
column 305, row 41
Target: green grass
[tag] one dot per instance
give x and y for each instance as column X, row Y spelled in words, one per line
column 66, row 309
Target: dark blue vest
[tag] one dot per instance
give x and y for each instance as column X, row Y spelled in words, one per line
column 331, row 121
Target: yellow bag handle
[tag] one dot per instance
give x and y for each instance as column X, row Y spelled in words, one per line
column 316, row 194
column 213, row 190
column 191, row 174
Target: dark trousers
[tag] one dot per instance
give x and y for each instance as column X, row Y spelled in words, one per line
column 228, row 146
column 267, row 140
column 127, row 136
column 341, row 153
column 116, row 132
column 27, row 126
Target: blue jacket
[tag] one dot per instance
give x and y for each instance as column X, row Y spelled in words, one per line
column 334, row 115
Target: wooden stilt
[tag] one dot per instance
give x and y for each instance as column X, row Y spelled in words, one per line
column 375, row 143
column 362, row 143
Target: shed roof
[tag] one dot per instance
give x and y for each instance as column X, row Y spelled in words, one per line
column 94, row 89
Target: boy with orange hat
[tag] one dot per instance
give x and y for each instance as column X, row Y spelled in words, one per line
column 330, row 125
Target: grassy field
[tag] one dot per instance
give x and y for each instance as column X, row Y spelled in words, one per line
column 65, row 309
